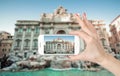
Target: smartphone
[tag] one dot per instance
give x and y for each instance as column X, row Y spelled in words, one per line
column 58, row 45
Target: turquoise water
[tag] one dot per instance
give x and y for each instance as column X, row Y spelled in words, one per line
column 48, row 72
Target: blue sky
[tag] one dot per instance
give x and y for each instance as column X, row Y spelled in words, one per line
column 66, row 38
column 13, row 10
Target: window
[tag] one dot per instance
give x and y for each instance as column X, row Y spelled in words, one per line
column 3, row 50
column 117, row 45
column 35, row 43
column 34, row 53
column 28, row 29
column 10, row 44
column 37, row 29
column 27, row 42
column 25, row 54
column 20, row 30
column 18, row 42
column 16, row 53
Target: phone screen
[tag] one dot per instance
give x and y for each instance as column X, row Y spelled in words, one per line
column 59, row 44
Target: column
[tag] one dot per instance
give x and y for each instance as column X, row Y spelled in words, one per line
column 31, row 39
column 22, row 43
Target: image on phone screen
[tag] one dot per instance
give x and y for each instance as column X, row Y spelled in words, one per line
column 59, row 44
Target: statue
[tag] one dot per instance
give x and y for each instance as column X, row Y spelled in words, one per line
column 60, row 11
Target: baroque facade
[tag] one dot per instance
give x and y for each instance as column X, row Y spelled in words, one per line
column 59, row 22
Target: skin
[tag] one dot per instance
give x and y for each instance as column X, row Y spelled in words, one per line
column 94, row 50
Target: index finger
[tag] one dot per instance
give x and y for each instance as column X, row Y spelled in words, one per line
column 82, row 24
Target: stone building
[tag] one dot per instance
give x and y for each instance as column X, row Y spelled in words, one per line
column 4, row 35
column 59, row 22
column 5, row 43
column 114, row 38
column 59, row 46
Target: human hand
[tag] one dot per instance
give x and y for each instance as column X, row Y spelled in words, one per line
column 94, row 51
